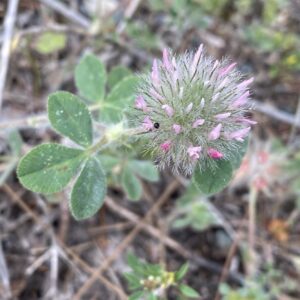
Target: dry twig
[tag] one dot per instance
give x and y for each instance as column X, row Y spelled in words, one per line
column 9, row 23
column 67, row 12
column 4, row 276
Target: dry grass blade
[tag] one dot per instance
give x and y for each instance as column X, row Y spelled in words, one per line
column 9, row 24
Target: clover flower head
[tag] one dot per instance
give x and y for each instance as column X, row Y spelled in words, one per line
column 192, row 110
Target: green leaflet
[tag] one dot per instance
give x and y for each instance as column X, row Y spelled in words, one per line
column 48, row 168
column 131, row 185
column 120, row 98
column 211, row 181
column 116, row 75
column 70, row 117
column 89, row 190
column 145, row 169
column 90, row 78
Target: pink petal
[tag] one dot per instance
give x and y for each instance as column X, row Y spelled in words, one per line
column 215, row 154
column 140, row 103
column 155, row 74
column 194, row 152
column 226, row 70
column 148, row 124
column 168, row 109
column 222, row 116
column 198, row 122
column 246, row 121
column 156, row 95
column 166, row 60
column 215, row 133
column 239, row 135
column 177, row 128
column 241, row 100
column 166, row 146
column 245, row 83
column 196, row 58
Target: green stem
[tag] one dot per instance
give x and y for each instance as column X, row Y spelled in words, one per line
column 252, row 220
column 96, row 147
column 108, row 138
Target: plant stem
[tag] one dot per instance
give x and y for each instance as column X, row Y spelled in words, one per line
column 252, row 216
column 96, row 147
column 108, row 138
column 252, row 223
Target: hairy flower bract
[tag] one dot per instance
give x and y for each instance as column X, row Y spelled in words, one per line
column 192, row 110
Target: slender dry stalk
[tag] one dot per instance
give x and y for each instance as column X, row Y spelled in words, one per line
column 9, row 23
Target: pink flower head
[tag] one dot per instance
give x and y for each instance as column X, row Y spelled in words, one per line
column 148, row 124
column 194, row 110
column 168, row 109
column 166, row 61
column 194, row 152
column 226, row 70
column 240, row 134
column 140, row 103
column 198, row 122
column 166, row 146
column 215, row 154
column 155, row 73
column 215, row 133
column 240, row 101
column 223, row 116
column 177, row 128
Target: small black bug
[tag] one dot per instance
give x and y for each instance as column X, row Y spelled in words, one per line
column 156, row 125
